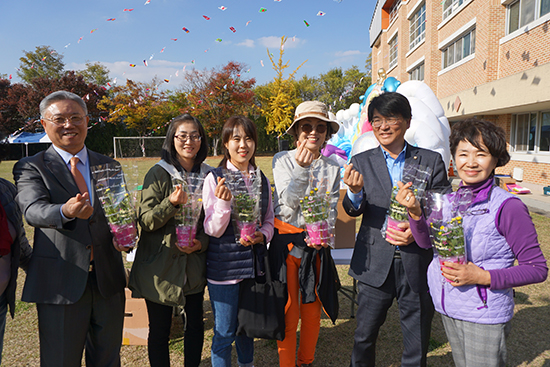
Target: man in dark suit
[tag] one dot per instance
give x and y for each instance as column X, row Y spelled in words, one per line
column 75, row 276
column 388, row 269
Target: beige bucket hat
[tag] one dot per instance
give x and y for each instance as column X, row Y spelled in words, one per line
column 314, row 109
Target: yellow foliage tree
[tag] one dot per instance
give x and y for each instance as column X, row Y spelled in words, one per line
column 278, row 98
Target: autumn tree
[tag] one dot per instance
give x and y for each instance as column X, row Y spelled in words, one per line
column 217, row 94
column 141, row 108
column 19, row 102
column 43, row 62
column 95, row 73
column 278, row 99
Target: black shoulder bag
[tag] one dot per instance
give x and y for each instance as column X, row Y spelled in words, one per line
column 262, row 302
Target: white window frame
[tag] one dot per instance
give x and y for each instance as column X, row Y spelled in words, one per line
column 457, row 48
column 451, row 6
column 414, row 74
column 394, row 10
column 537, row 13
column 393, row 46
column 450, row 42
column 533, row 120
column 417, row 20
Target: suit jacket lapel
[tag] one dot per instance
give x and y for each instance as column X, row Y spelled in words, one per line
column 59, row 170
column 411, row 156
column 380, row 168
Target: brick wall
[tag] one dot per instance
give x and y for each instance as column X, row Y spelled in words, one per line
column 492, row 60
column 538, row 173
column 526, row 51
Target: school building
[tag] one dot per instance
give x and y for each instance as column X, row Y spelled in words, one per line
column 484, row 58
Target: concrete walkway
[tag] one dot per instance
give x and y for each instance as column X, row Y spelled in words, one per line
column 536, row 201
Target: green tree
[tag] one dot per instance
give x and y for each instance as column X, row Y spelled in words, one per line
column 278, row 99
column 339, row 89
column 43, row 62
column 95, row 73
column 308, row 89
column 356, row 83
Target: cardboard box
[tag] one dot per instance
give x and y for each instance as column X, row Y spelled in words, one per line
column 136, row 321
column 502, row 181
column 345, row 226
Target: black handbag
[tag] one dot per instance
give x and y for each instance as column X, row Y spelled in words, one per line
column 262, row 302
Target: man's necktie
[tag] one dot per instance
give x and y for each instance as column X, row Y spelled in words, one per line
column 80, row 182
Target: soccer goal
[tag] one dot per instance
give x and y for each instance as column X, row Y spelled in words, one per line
column 137, row 146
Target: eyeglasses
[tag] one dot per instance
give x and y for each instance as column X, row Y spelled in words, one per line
column 390, row 121
column 61, row 121
column 183, row 137
column 307, row 128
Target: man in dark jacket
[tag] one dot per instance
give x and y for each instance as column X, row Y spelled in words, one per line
column 76, row 276
column 389, row 268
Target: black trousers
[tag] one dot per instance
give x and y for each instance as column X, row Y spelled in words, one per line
column 160, row 322
column 415, row 312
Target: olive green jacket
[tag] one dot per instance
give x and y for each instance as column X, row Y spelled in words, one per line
column 161, row 273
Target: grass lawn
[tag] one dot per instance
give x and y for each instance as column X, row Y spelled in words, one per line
column 528, row 344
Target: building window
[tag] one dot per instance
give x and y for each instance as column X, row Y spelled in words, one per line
column 523, row 12
column 530, row 132
column 393, row 51
column 458, row 50
column 417, row 28
column 417, row 73
column 450, row 6
column 394, row 10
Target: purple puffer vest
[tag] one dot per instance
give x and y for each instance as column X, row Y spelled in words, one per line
column 490, row 251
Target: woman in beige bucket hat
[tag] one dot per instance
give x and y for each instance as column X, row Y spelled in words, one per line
column 291, row 255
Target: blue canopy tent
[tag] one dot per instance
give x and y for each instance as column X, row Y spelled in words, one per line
column 29, row 138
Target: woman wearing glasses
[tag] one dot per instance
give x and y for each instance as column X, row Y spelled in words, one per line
column 475, row 299
column 165, row 274
column 290, row 256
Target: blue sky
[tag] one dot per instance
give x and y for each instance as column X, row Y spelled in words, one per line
column 337, row 39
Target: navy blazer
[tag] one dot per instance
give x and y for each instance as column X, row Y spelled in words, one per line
column 58, row 270
column 373, row 255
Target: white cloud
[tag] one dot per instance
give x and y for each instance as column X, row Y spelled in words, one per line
column 347, row 53
column 163, row 69
column 275, row 42
column 247, row 43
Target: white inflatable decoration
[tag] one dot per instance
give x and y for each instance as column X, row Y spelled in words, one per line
column 429, row 127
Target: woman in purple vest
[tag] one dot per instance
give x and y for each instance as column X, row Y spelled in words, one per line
column 475, row 299
column 229, row 262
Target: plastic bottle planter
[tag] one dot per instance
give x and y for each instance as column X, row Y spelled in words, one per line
column 318, row 232
column 316, row 209
column 393, row 224
column 448, row 240
column 397, row 214
column 246, row 229
column 117, row 203
column 185, row 234
column 125, row 234
column 187, row 217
